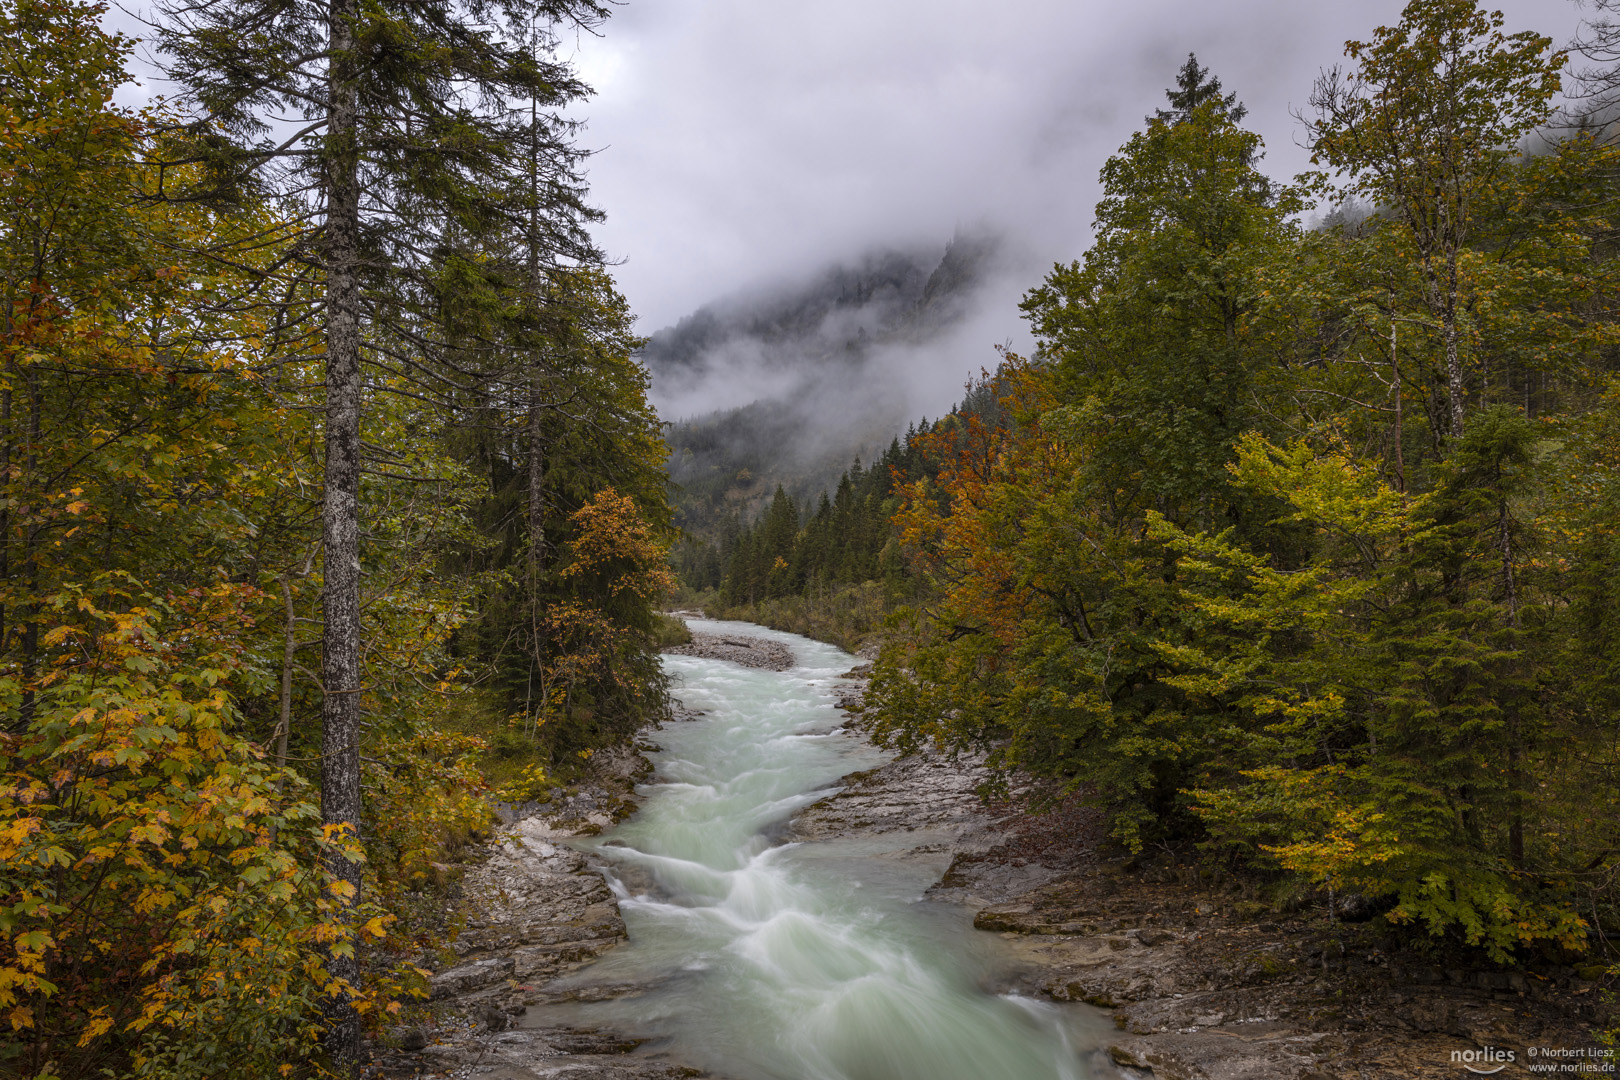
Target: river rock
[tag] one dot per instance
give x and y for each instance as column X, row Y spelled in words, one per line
column 925, row 792
column 474, row 976
column 748, row 651
column 1206, row 984
column 534, row 909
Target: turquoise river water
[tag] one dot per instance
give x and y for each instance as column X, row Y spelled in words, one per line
column 764, row 960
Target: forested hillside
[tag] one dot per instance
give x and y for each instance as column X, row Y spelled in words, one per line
column 784, row 387
column 1292, row 541
column 1303, row 545
column 832, row 567
column 325, row 467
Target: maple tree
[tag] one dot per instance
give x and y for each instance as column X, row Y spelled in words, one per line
column 1426, row 125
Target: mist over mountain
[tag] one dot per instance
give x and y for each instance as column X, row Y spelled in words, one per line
column 786, row 385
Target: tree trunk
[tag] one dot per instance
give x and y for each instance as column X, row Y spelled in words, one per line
column 1454, row 380
column 30, row 629
column 1395, row 366
column 288, row 645
column 1515, row 731
column 5, row 486
column 340, row 511
column 1448, row 328
column 537, row 533
column 536, row 432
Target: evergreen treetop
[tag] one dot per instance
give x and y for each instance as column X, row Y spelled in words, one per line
column 1194, row 86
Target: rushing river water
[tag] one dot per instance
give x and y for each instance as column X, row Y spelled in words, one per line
column 771, row 961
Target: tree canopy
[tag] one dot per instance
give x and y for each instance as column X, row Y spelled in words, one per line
column 1294, row 544
column 249, row 434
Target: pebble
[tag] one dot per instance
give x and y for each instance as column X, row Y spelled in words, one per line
column 748, row 651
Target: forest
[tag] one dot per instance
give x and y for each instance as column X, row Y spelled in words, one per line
column 333, row 511
column 1293, row 544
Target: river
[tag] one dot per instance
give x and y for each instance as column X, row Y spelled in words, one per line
column 763, row 960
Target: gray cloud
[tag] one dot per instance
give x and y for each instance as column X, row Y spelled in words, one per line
column 744, row 142
column 788, row 339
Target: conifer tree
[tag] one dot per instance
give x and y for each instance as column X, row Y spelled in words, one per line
column 1194, row 86
column 397, row 130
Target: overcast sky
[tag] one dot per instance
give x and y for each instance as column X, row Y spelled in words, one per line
column 746, row 141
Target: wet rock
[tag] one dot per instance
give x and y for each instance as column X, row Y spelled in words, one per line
column 474, row 976
column 492, row 1018
column 449, row 1055
column 1009, row 918
column 1129, row 1056
column 925, row 792
column 679, row 713
column 590, row 1041
column 590, row 992
column 534, row 909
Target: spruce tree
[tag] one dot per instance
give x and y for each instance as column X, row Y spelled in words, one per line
column 415, row 138
column 1194, row 86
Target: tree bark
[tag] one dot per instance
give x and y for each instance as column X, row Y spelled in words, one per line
column 1454, row 373
column 1395, row 366
column 5, row 486
column 536, row 562
column 1515, row 731
column 288, row 645
column 537, row 530
column 340, row 512
column 30, row 568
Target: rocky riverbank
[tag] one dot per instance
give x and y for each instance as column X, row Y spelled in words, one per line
column 530, row 911
column 1202, row 981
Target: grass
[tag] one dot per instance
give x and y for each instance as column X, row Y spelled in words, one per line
column 480, row 712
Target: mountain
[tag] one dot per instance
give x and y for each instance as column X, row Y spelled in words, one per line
column 785, row 386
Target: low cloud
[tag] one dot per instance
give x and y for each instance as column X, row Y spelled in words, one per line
column 744, row 142
column 845, row 358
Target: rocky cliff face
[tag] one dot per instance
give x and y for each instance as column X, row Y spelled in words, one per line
column 827, row 319
column 834, row 317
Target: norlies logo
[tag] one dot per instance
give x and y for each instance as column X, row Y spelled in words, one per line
column 1483, row 1062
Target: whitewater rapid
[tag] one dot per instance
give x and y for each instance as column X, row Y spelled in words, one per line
column 763, row 960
